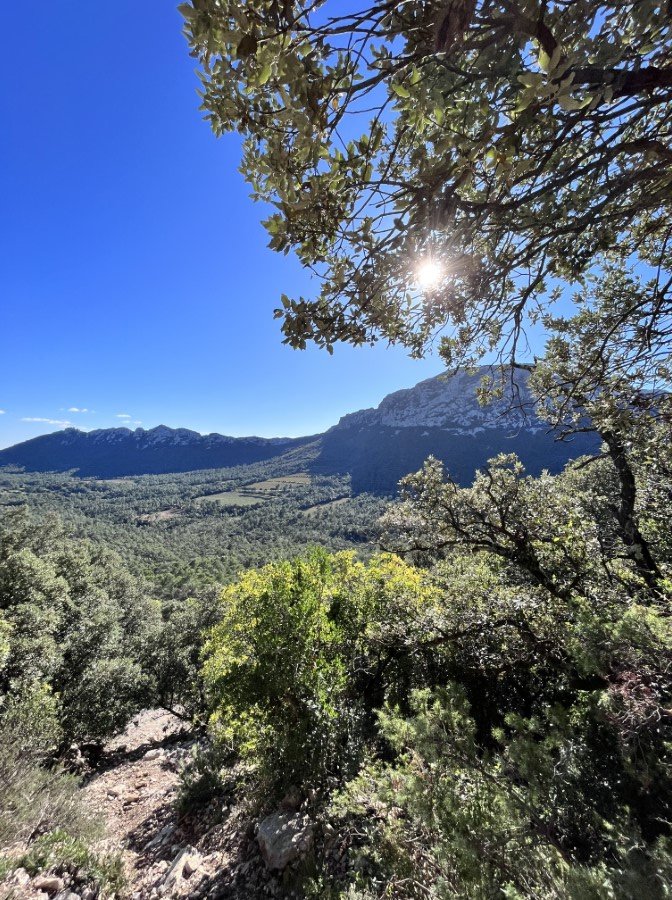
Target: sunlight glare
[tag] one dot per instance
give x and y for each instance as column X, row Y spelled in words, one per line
column 428, row 274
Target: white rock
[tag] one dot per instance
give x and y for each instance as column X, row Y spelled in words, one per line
column 156, row 753
column 186, row 862
column 449, row 403
column 283, row 837
column 19, row 877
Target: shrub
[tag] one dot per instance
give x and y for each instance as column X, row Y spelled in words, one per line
column 40, row 804
column 203, row 778
column 35, row 798
column 447, row 820
column 60, row 851
column 299, row 661
column 73, row 619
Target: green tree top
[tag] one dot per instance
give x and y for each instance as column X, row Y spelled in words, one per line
column 497, row 145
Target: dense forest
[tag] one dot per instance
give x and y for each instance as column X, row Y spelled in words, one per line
column 464, row 692
column 195, row 529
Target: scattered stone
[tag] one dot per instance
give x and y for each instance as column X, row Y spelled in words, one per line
column 185, row 864
column 88, row 894
column 133, row 797
column 156, row 753
column 49, row 883
column 161, row 838
column 19, row 877
column 67, row 895
column 282, row 838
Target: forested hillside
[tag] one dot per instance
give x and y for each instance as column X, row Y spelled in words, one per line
column 115, row 452
column 185, row 531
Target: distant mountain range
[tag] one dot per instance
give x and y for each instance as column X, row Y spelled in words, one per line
column 440, row 416
column 112, row 452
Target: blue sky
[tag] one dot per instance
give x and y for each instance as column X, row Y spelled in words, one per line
column 134, row 275
column 136, row 287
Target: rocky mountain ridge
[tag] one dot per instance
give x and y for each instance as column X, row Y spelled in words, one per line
column 118, row 452
column 440, row 416
column 163, row 434
column 450, row 402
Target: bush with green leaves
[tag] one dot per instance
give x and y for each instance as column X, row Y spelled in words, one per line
column 529, row 817
column 174, row 651
column 41, row 805
column 501, row 710
column 34, row 798
column 303, row 656
column 73, row 619
column 539, row 762
column 61, row 852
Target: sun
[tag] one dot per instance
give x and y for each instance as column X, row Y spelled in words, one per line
column 428, row 274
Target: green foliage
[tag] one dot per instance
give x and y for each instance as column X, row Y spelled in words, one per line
column 200, row 544
column 204, row 778
column 500, row 715
column 509, row 143
column 294, row 668
column 463, row 823
column 108, row 694
column 174, row 652
column 35, row 798
column 537, row 761
column 76, row 621
column 59, row 851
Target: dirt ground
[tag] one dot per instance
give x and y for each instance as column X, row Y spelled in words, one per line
column 207, row 853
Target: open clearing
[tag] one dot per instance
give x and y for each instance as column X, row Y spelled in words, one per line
column 273, row 484
column 311, row 510
column 234, row 498
column 258, row 491
column 162, row 516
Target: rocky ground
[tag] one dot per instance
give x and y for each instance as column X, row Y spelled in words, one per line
column 218, row 852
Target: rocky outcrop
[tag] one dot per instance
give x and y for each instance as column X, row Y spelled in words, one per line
column 284, row 837
column 187, row 861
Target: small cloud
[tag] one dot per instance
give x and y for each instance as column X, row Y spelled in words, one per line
column 123, row 416
column 62, row 423
column 137, row 422
column 2, row 412
column 77, row 409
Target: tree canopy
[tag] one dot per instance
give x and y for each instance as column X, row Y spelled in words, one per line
column 439, row 162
